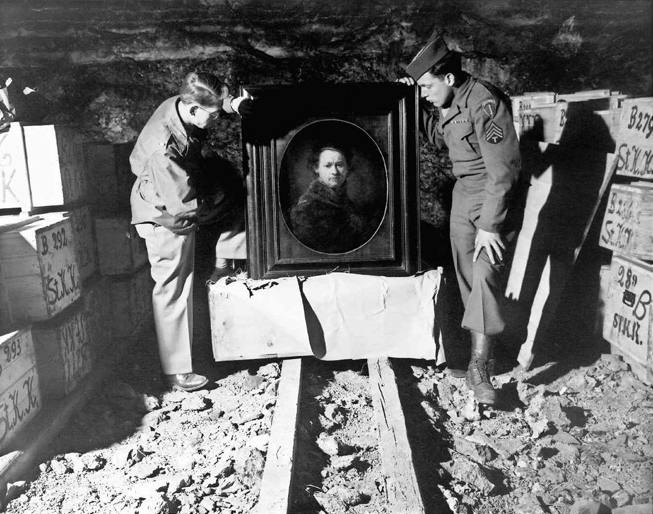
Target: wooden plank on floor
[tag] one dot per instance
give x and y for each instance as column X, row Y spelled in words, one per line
column 277, row 474
column 402, row 489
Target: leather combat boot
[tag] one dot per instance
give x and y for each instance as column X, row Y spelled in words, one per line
column 479, row 373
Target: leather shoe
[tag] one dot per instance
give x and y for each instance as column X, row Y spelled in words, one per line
column 479, row 381
column 459, row 372
column 219, row 273
column 186, row 381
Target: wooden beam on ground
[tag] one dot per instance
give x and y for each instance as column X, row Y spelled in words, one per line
column 277, row 474
column 402, row 489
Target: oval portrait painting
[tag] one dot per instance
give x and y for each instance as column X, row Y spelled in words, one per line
column 333, row 186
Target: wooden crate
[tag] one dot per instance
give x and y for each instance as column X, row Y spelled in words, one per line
column 64, row 352
column 109, row 176
column 20, row 396
column 628, row 220
column 97, row 309
column 6, row 319
column 39, row 268
column 338, row 316
column 529, row 100
column 55, row 164
column 564, row 188
column 13, row 170
column 568, row 119
column 611, row 120
column 628, row 323
column 577, row 123
column 130, row 300
column 538, row 123
column 604, row 286
column 120, row 249
column 85, row 245
column 635, row 141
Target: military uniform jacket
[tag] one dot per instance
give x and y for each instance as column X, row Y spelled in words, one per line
column 483, row 147
column 161, row 160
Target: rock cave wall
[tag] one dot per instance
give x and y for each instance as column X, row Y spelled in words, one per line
column 104, row 65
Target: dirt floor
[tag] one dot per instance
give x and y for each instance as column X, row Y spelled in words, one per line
column 569, row 433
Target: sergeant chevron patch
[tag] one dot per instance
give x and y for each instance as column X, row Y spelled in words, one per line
column 494, row 133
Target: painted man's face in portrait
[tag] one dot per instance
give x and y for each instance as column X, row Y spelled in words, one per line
column 332, row 168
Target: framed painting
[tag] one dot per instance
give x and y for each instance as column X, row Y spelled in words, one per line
column 332, row 179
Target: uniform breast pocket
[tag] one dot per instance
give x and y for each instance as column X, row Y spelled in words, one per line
column 462, row 141
column 148, row 193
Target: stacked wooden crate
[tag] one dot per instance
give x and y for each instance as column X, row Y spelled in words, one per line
column 20, row 396
column 627, row 230
column 567, row 144
column 61, row 307
column 125, row 288
column 46, row 253
column 588, row 119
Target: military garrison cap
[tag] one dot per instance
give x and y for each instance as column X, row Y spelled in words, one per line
column 431, row 54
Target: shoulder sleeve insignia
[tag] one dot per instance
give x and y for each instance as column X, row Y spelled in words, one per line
column 489, row 108
column 493, row 133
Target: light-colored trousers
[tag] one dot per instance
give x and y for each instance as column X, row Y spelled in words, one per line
column 232, row 241
column 172, row 260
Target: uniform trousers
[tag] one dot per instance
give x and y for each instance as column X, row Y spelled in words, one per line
column 232, row 242
column 481, row 283
column 172, row 263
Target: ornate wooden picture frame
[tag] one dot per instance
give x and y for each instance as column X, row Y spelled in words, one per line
column 305, row 218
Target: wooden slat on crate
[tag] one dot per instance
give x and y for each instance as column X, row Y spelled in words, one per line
column 85, row 245
column 611, row 119
column 120, row 249
column 8, row 223
column 635, row 142
column 396, row 455
column 628, row 221
column 529, row 100
column 14, row 183
column 604, row 286
column 277, row 474
column 12, row 222
column 628, row 321
column 20, row 397
column 109, row 176
column 6, row 319
column 55, row 164
column 64, row 352
column 97, row 310
column 39, row 267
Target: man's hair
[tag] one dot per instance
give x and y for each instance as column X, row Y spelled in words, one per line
column 203, row 88
column 314, row 157
column 450, row 63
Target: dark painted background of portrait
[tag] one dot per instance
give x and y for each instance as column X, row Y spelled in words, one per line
column 367, row 180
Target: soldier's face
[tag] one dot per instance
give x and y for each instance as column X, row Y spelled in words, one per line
column 332, row 168
column 205, row 116
column 436, row 90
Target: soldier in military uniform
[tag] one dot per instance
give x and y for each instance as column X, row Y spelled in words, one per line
column 474, row 123
column 167, row 207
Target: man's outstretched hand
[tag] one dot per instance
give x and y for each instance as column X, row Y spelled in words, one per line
column 491, row 243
